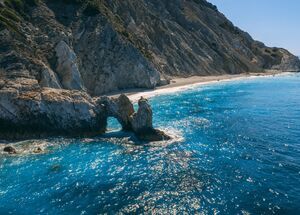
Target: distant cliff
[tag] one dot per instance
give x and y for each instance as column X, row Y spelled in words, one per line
column 50, row 47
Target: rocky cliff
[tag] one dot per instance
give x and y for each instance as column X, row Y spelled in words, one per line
column 56, row 54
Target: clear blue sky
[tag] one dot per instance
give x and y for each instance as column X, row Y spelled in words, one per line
column 274, row 22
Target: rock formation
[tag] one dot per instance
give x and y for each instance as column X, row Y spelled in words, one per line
column 142, row 119
column 139, row 122
column 56, row 55
column 67, row 67
column 35, row 113
column 10, row 150
column 120, row 108
column 26, row 110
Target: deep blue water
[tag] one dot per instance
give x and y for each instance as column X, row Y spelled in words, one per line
column 237, row 152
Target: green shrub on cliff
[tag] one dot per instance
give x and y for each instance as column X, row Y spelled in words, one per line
column 13, row 11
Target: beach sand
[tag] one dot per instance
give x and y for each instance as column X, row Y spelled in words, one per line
column 181, row 84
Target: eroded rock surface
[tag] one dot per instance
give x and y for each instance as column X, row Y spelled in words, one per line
column 56, row 55
column 26, row 110
column 121, row 108
column 67, row 67
column 141, row 123
column 142, row 119
column 119, row 45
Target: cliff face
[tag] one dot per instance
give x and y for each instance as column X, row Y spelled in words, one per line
column 64, row 51
column 105, row 45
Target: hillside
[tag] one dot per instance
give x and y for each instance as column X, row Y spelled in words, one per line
column 106, row 45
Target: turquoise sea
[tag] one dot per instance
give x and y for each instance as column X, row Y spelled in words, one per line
column 236, row 151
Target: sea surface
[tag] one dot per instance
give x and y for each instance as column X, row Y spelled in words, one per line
column 236, row 150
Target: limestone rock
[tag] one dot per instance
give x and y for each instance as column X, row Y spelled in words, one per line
column 125, row 110
column 288, row 63
column 142, row 119
column 141, row 122
column 120, row 108
column 110, row 63
column 67, row 67
column 47, row 112
column 49, row 79
column 128, row 44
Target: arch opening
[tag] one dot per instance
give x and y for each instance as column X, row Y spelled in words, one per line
column 113, row 124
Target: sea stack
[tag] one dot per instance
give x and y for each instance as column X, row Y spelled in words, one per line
column 142, row 126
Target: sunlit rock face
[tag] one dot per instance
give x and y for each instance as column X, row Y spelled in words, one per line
column 142, row 119
column 67, row 67
column 40, row 112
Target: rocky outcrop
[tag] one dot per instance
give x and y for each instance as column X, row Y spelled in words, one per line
column 142, row 119
column 34, row 112
column 141, row 123
column 67, row 67
column 49, row 79
column 289, row 63
column 27, row 111
column 120, row 108
column 10, row 150
column 56, row 55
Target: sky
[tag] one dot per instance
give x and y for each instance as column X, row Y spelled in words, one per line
column 274, row 22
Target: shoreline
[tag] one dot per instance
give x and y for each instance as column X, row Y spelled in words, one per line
column 182, row 84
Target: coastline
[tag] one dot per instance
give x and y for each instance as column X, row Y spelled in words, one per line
column 182, row 84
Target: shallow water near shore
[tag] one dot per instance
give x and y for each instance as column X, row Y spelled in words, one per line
column 237, row 151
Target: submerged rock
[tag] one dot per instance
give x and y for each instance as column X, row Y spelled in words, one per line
column 10, row 150
column 152, row 135
column 38, row 150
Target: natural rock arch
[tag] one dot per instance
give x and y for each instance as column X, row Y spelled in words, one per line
column 120, row 108
column 139, row 122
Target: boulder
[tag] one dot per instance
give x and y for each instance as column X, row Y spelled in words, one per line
column 10, row 150
column 38, row 150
